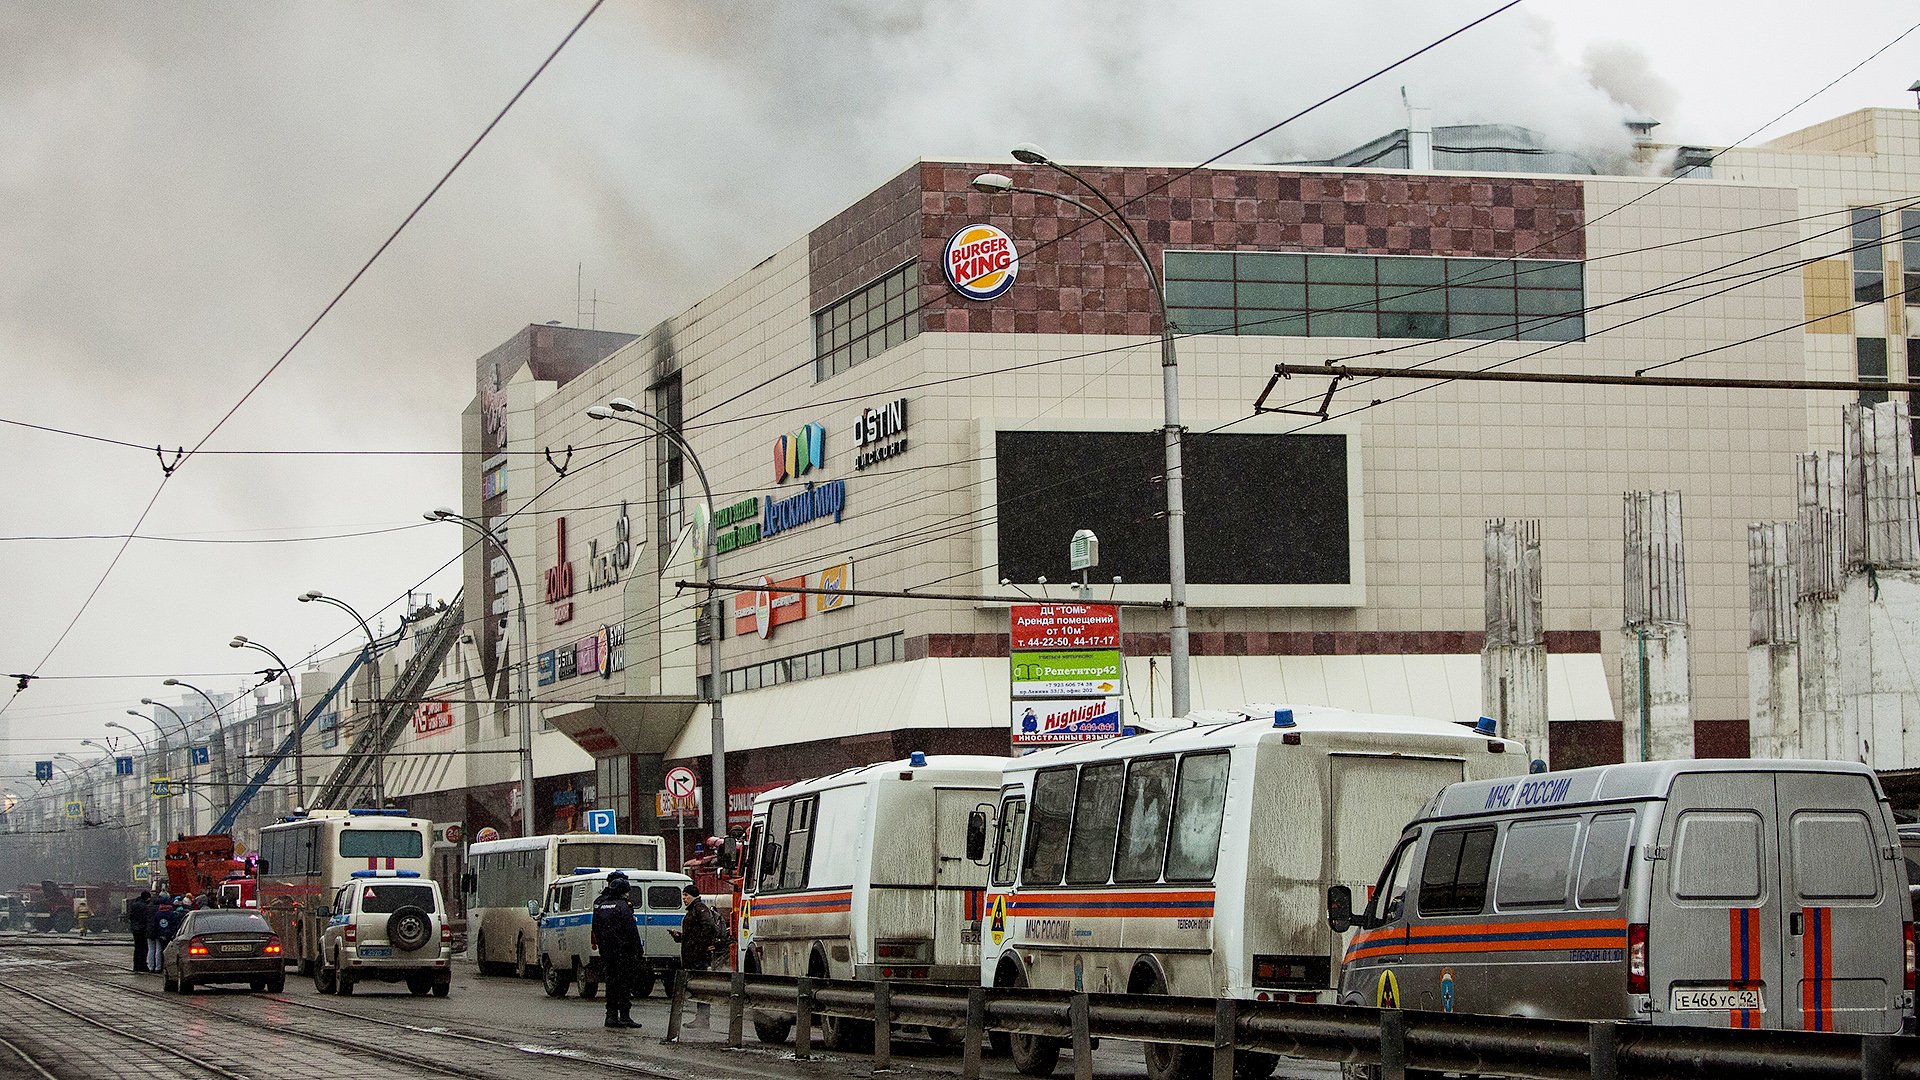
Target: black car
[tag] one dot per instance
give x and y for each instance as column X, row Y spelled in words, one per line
column 224, row 946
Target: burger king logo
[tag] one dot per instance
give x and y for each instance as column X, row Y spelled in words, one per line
column 981, row 262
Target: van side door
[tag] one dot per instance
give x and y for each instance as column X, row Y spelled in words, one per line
column 1715, row 922
column 1382, row 940
column 1845, row 909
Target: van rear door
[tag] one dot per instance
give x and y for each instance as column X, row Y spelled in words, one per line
column 960, row 884
column 1715, row 926
column 1843, row 951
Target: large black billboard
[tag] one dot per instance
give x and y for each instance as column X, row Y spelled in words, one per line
column 1261, row 509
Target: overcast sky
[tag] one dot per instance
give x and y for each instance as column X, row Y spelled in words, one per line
column 184, row 185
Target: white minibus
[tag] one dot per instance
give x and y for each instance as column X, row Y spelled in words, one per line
column 503, row 875
column 1193, row 860
column 864, row 875
column 306, row 858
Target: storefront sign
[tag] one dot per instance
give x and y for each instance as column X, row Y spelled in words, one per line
column 547, row 668
column 493, row 482
column 838, row 579
column 1066, row 626
column 758, row 612
column 448, row 834
column 981, row 262
column 1077, row 673
column 740, row 803
column 880, row 433
column 813, row 504
column 681, row 809
column 735, row 525
column 330, row 730
column 796, row 454
column 560, row 576
column 604, row 567
column 1050, row 723
column 431, row 716
column 563, row 660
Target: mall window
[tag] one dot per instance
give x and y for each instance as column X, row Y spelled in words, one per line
column 866, row 323
column 1375, row 296
column 1910, row 259
column 828, row 661
column 1869, row 271
column 1872, row 359
column 672, row 512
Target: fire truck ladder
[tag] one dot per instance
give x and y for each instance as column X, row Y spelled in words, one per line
column 354, row 775
column 240, row 801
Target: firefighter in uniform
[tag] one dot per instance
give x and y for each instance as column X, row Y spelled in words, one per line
column 620, row 948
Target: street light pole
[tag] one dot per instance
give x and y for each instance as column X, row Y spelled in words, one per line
column 142, row 744
column 619, row 409
column 1113, row 219
column 299, row 737
column 165, row 821
column 186, row 740
column 526, row 661
column 373, row 678
column 220, row 726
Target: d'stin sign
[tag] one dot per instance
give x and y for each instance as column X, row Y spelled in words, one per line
column 981, row 262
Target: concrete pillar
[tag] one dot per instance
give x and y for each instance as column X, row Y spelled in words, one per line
column 1656, row 672
column 1513, row 662
column 1773, row 642
column 1820, row 556
column 1877, row 660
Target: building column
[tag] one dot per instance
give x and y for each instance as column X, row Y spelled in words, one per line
column 1773, row 642
column 1656, row 672
column 1513, row 662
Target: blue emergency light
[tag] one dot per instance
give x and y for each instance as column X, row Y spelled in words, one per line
column 371, row 811
column 1283, row 718
column 917, row 759
column 1486, row 725
column 385, row 873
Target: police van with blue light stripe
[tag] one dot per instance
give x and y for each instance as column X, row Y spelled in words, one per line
column 570, row 954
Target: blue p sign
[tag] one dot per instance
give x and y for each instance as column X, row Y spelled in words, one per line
column 600, row 821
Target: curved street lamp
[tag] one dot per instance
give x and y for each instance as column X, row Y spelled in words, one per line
column 293, row 694
column 627, row 412
column 164, row 820
column 220, row 726
column 1113, row 219
column 186, row 741
column 373, row 679
column 526, row 661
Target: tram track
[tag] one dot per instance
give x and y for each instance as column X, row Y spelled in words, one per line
column 362, row 1048
column 115, row 1029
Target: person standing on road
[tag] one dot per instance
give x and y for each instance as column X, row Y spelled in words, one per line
column 165, row 921
column 140, row 922
column 620, row 948
column 703, row 942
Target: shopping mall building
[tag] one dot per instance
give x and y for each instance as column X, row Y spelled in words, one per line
column 870, row 429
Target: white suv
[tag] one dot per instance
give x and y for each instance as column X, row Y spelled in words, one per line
column 389, row 925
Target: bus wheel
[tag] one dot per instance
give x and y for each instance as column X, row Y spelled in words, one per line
column 1248, row 1065
column 553, row 980
column 1170, row 1061
column 844, row 1034
column 480, row 965
column 521, row 969
column 1033, row 1055
column 644, row 986
column 770, row 1029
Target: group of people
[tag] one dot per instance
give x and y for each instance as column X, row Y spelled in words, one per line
column 154, row 922
column 703, row 937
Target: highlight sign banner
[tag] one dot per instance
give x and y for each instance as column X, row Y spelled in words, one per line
column 1053, row 723
column 1085, row 673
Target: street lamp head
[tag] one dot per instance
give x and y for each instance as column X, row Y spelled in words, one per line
column 441, row 513
column 170, row 682
column 599, row 412
column 993, row 183
column 621, row 404
column 310, row 595
column 146, row 701
column 238, row 642
column 136, row 712
column 1030, row 154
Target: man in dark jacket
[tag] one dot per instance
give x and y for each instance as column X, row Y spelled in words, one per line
column 703, row 942
column 620, row 948
column 140, row 921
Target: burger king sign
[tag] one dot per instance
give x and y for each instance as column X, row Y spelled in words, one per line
column 981, row 262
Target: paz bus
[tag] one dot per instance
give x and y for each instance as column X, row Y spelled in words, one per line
column 306, row 858
column 503, row 875
column 1193, row 857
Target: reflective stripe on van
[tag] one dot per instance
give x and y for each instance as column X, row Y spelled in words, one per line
column 1493, row 937
column 1816, row 982
column 1136, row 904
column 807, row 903
column 1743, row 951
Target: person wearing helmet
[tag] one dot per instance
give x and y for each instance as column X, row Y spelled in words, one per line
column 620, row 948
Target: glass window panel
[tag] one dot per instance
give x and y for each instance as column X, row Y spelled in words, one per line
column 1046, row 856
column 1096, row 820
column 1200, row 293
column 1341, row 297
column 1549, row 301
column 1871, row 398
column 1413, row 298
column 1549, row 275
column 1479, row 271
column 1866, row 223
column 1537, row 864
column 1872, row 355
column 1201, row 265
column 1343, row 324
column 1603, row 860
column 1480, row 301
column 1869, row 286
column 1412, row 271
column 1273, row 323
column 1200, row 320
column 1270, row 266
column 1453, row 881
column 1481, row 327
column 848, row 658
column 896, row 307
column 1406, row 324
column 1013, row 817
column 863, row 654
column 1573, row 328
column 776, row 845
column 1337, row 269
column 1194, row 846
column 1290, row 296
column 1144, row 811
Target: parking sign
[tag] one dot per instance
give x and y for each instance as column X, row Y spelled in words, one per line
column 601, row 821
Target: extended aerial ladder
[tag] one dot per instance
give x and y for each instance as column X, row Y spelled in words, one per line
column 285, row 750
column 356, row 770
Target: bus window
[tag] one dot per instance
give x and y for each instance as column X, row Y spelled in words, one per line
column 1006, row 851
column 377, row 843
column 1198, row 804
column 1536, row 864
column 1454, row 879
column 793, row 875
column 1144, row 810
column 1046, row 857
column 1096, row 818
column 775, row 845
column 1603, row 860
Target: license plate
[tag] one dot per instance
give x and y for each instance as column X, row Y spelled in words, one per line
column 375, row 950
column 241, row 947
column 1710, row 999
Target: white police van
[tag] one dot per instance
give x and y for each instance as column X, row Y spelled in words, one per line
column 1725, row 893
column 569, row 952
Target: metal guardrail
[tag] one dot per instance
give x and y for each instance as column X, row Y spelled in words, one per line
column 1393, row 1040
